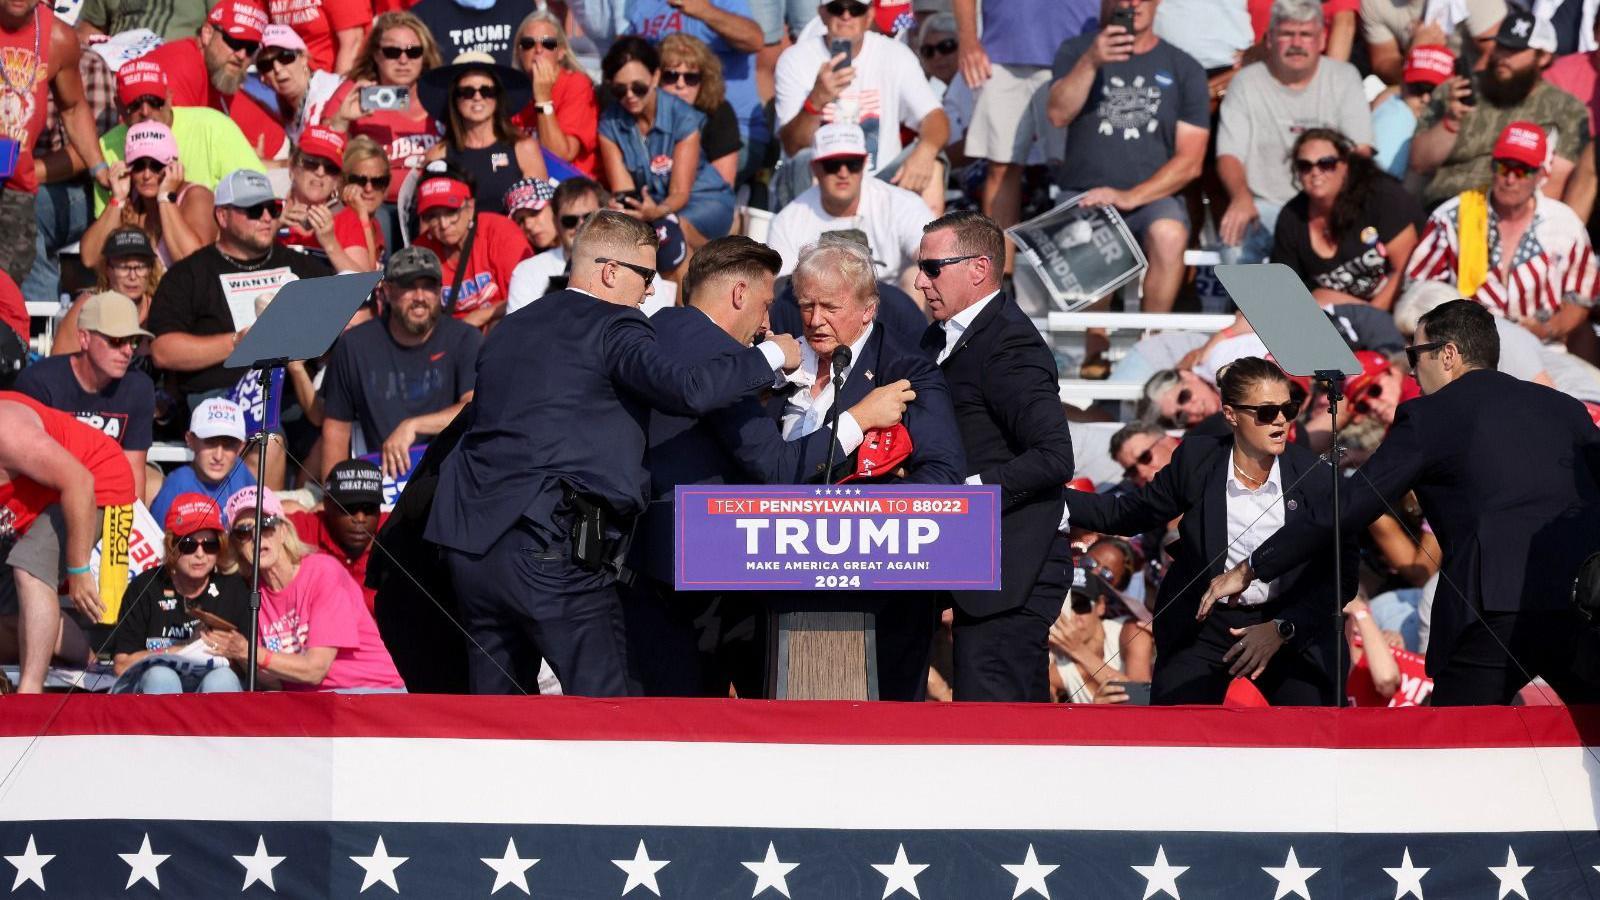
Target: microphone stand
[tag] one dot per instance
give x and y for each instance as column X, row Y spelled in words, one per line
column 1333, row 381
column 839, row 363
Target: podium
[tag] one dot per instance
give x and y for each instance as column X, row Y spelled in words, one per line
column 821, row 653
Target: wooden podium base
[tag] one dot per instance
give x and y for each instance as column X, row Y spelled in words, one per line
column 822, row 655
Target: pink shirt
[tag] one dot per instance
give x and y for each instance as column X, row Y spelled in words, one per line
column 1574, row 73
column 322, row 607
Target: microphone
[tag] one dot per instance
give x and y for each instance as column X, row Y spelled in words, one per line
column 840, row 362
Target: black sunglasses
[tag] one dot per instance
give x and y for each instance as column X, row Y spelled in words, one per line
column 673, row 76
column 150, row 100
column 188, row 545
column 853, row 163
column 1267, row 413
column 318, row 164
column 943, row 48
column 377, row 182
column 1415, row 351
column 266, row 62
column 486, row 91
column 1131, row 470
column 570, row 222
column 528, row 43
column 1325, row 164
column 275, row 207
column 147, row 164
column 1363, row 404
column 247, row 528
column 648, row 274
column 392, row 53
column 840, row 7
column 639, row 89
column 248, row 48
column 932, row 267
column 118, row 343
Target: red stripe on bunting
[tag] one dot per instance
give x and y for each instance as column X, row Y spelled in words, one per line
column 791, row 722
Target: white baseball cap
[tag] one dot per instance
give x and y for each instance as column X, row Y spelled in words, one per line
column 838, row 139
column 217, row 417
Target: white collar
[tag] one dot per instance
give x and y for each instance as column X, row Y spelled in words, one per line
column 1272, row 486
column 961, row 321
column 806, row 374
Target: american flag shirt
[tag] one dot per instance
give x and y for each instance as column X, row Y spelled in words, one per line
column 1552, row 265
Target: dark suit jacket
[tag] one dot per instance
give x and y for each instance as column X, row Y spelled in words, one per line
column 563, row 393
column 897, row 314
column 1508, row 473
column 1194, row 485
column 1003, row 383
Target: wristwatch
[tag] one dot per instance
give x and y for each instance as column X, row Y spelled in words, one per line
column 1285, row 629
column 547, row 108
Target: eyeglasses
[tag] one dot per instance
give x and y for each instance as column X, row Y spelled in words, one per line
column 639, row 89
column 118, row 343
column 932, row 267
column 1131, row 470
column 146, row 164
column 393, row 53
column 247, row 529
column 319, row 165
column 473, row 91
column 131, row 266
column 570, row 222
column 1267, row 413
column 248, row 48
column 673, row 76
column 376, row 182
column 1515, row 170
column 1415, row 351
column 155, row 103
column 943, row 48
column 275, row 207
column 648, row 274
column 266, row 62
column 1326, row 164
column 188, row 545
column 840, row 7
column 528, row 42
column 852, row 163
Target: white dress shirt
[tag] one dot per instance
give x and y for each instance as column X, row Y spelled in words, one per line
column 804, row 413
column 1253, row 516
column 957, row 325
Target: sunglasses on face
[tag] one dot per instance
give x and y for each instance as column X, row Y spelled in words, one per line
column 146, row 164
column 1326, row 164
column 247, row 529
column 839, row 8
column 1131, row 470
column 320, row 166
column 248, row 48
column 274, row 208
column 932, row 267
column 155, row 103
column 1363, row 403
column 943, row 48
column 1415, row 351
column 852, row 164
column 370, row 510
column 619, row 90
column 570, row 222
column 266, row 62
column 527, row 42
column 1514, row 170
column 474, row 91
column 648, row 274
column 119, row 343
column 1267, row 413
column 375, row 182
column 393, row 53
column 190, row 544
column 673, row 76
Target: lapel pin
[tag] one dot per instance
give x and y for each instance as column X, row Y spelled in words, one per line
column 869, row 374
column 1293, row 505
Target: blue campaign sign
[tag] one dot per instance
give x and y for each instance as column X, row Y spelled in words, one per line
column 901, row 537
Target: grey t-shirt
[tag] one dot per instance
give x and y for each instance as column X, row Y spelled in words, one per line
column 1128, row 126
column 1261, row 119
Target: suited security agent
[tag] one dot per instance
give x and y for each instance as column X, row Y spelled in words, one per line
column 558, row 440
column 1003, row 383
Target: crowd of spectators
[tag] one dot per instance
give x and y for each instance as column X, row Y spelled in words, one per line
column 169, row 167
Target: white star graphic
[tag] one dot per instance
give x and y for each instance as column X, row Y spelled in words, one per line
column 771, row 872
column 1160, row 877
column 1511, row 876
column 30, row 865
column 142, row 865
column 1407, row 878
column 379, row 867
column 641, row 870
column 258, row 867
column 1030, row 875
column 900, row 875
column 1291, row 878
column 510, row 870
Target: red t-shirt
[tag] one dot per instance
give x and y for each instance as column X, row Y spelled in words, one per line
column 404, row 138
column 314, row 531
column 316, row 21
column 1415, row 685
column 346, row 227
column 500, row 245
column 185, row 66
column 13, row 308
column 22, row 499
column 25, row 94
column 578, row 115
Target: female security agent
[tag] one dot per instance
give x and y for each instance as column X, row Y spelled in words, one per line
column 1233, row 492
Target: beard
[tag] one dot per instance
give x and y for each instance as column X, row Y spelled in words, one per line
column 419, row 329
column 1508, row 91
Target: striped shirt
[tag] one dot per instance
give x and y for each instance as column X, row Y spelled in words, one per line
column 1552, row 265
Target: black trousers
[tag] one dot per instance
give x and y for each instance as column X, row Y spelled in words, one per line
column 1559, row 645
column 524, row 601
column 692, row 643
column 1194, row 671
column 1005, row 657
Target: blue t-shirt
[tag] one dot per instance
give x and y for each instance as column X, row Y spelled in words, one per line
column 185, row 481
column 655, row 19
column 1029, row 32
column 648, row 158
column 125, row 410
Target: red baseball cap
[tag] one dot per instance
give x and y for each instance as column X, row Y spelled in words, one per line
column 323, row 143
column 1085, row 485
column 881, row 451
column 442, row 193
column 140, row 78
column 1429, row 64
column 193, row 512
column 1373, row 365
column 1523, row 142
column 1593, row 409
column 239, row 19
